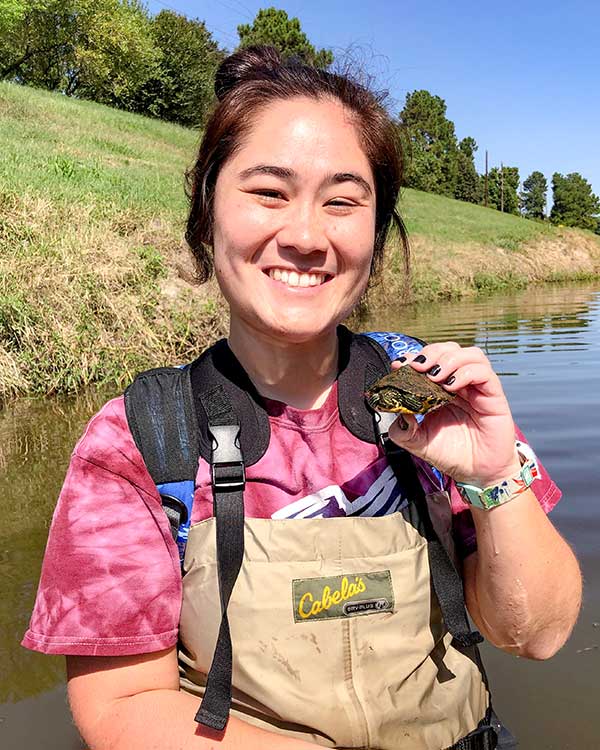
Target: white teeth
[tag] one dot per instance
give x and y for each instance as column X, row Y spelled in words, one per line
column 293, row 278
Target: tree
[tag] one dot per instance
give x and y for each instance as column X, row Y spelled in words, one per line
column 97, row 49
column 429, row 142
column 273, row 26
column 503, row 184
column 183, row 88
column 532, row 199
column 34, row 37
column 574, row 205
column 468, row 182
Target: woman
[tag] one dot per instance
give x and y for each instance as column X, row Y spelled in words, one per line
column 293, row 193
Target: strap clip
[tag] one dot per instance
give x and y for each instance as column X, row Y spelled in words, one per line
column 483, row 738
column 383, row 422
column 228, row 471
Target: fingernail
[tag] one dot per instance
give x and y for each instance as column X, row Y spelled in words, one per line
column 450, row 380
column 403, row 424
column 435, row 370
column 401, row 359
column 421, row 358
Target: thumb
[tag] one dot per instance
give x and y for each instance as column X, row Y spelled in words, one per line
column 408, row 434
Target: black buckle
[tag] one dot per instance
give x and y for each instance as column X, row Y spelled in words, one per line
column 483, row 738
column 226, row 463
column 466, row 640
column 489, row 738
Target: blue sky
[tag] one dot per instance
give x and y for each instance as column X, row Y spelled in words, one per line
column 522, row 78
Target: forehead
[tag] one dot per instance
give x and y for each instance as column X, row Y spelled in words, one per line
column 304, row 133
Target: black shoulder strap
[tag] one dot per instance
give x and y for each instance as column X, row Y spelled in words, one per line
column 218, row 377
column 162, row 419
column 447, row 582
column 362, row 362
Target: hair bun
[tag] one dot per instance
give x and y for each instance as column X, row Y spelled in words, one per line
column 248, row 64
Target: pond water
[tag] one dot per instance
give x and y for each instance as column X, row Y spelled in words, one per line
column 545, row 344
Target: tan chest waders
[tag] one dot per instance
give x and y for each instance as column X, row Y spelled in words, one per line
column 348, row 632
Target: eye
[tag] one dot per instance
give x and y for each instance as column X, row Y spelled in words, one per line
column 340, row 202
column 269, row 195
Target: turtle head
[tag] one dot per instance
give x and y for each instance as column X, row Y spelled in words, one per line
column 383, row 399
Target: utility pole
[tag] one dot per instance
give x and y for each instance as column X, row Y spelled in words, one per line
column 501, row 187
column 485, row 192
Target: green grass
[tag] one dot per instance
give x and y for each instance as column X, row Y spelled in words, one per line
column 94, row 277
column 77, row 151
column 448, row 222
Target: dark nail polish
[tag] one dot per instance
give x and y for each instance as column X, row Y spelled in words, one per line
column 401, row 359
column 450, row 380
column 421, row 358
column 403, row 424
column 435, row 370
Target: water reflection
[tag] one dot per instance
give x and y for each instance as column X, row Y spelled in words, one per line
column 36, row 439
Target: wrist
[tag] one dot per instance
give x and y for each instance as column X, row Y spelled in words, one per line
column 500, row 474
column 517, row 480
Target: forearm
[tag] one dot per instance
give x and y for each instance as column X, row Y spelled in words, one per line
column 523, row 587
column 164, row 719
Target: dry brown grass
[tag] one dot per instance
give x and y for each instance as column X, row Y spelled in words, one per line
column 456, row 270
column 84, row 300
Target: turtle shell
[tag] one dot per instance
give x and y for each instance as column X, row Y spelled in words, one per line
column 406, row 391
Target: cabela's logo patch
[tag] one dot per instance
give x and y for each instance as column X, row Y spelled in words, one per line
column 342, row 596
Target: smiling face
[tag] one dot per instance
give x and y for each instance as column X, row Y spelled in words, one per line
column 294, row 221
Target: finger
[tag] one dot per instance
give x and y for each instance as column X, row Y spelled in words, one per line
column 478, row 375
column 450, row 360
column 404, row 430
column 425, row 354
column 429, row 356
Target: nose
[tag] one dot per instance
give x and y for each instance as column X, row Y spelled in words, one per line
column 303, row 231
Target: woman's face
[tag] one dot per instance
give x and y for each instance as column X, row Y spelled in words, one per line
column 294, row 221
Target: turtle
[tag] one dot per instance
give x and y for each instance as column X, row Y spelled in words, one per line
column 406, row 391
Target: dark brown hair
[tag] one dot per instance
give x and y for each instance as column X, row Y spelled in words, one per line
column 253, row 78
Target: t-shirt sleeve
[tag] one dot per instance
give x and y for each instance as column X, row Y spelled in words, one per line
column 110, row 582
column 544, row 488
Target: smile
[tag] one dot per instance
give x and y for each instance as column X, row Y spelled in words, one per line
column 293, row 278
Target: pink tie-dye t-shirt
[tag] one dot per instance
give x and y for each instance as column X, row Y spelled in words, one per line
column 111, row 580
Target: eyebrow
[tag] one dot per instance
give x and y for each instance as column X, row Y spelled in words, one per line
column 289, row 174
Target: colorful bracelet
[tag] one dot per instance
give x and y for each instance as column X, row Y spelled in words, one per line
column 498, row 494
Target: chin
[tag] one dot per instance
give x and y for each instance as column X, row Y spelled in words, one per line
column 300, row 331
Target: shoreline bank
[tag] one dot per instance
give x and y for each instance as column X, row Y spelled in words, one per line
column 95, row 284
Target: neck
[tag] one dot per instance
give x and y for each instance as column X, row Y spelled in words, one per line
column 299, row 374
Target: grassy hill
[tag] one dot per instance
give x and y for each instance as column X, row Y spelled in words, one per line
column 95, row 283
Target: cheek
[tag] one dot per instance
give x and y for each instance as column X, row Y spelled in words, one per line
column 356, row 240
column 245, row 227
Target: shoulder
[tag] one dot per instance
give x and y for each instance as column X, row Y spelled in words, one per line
column 395, row 344
column 107, row 443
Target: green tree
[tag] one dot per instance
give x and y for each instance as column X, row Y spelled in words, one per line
column 503, row 184
column 468, row 181
column 183, row 88
column 532, row 199
column 273, row 26
column 574, row 203
column 34, row 37
column 429, row 143
column 97, row 49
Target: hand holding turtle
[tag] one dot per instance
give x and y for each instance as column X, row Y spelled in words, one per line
column 472, row 437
